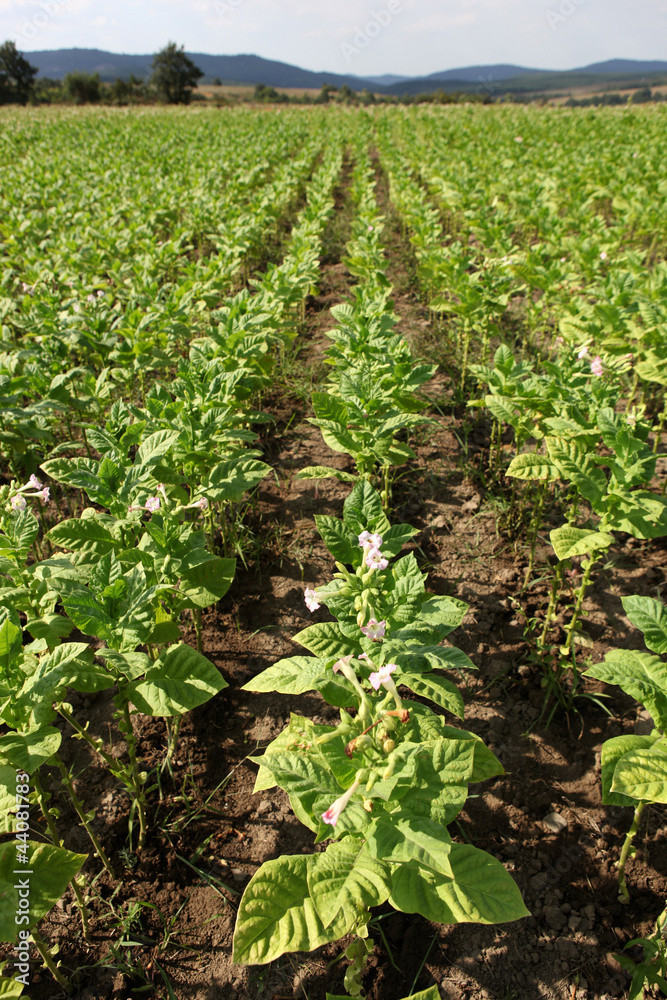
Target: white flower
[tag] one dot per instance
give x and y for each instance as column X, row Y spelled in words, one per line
column 18, row 503
column 310, row 598
column 202, row 503
column 374, row 630
column 603, row 255
column 382, row 676
column 152, row 504
column 332, row 815
column 583, row 353
column 35, row 483
column 375, row 559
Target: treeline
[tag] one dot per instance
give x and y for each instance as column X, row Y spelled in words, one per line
column 345, row 95
column 172, row 80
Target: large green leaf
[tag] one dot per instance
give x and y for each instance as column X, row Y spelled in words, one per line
column 362, row 511
column 440, row 690
column 612, row 751
column 178, row 681
column 326, row 641
column 51, row 869
column 10, row 988
column 532, row 465
column 411, row 838
column 569, row 541
column 11, row 643
column 208, row 580
column 642, row 774
column 7, row 798
column 640, row 675
column 277, row 915
column 293, row 675
column 650, row 616
column 28, row 751
column 342, row 543
column 481, row 891
column 85, row 536
column 346, row 877
column 231, row 479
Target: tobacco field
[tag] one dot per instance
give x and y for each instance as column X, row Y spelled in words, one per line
column 332, row 553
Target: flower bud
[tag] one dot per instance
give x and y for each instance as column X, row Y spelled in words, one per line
column 345, row 717
column 368, row 805
column 388, row 746
column 371, row 780
column 390, row 723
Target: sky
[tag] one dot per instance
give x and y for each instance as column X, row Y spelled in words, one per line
column 363, row 37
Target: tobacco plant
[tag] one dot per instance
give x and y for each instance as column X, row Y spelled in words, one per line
column 634, row 768
column 383, row 784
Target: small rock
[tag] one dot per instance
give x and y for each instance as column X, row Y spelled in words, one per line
column 264, row 807
column 555, row 822
column 239, row 874
column 524, row 670
column 554, row 918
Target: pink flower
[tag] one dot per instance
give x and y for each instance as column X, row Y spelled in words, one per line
column 365, row 538
column 343, row 664
column 35, row 483
column 383, row 675
column 18, row 503
column 603, row 255
column 583, row 353
column 91, row 298
column 310, row 598
column 518, row 138
column 374, row 630
column 596, row 366
column 45, row 494
column 202, row 503
column 560, row 341
column 364, row 656
column 375, row 559
column 152, row 504
column 332, row 815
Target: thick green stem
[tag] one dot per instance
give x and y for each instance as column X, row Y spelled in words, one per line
column 553, row 598
column 81, row 813
column 623, row 894
column 173, row 740
column 47, row 959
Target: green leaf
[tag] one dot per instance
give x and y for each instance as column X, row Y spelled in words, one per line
column 52, row 628
column 10, row 988
column 642, row 774
column 325, row 472
column 340, row 541
column 412, row 838
column 362, row 510
column 132, row 665
column 206, row 582
column 154, row 447
column 440, row 690
column 230, row 480
column 11, row 643
column 7, row 800
column 178, row 681
column 326, row 641
column 480, row 891
column 640, row 675
column 52, row 869
column 650, row 616
column 569, row 541
column 277, row 915
column 612, row 751
column 85, row 536
column 294, row 675
column 532, row 465
column 28, row 751
column 346, row 877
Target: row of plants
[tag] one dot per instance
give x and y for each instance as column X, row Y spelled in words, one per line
column 154, row 542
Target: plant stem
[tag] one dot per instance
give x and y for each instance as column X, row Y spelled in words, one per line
column 47, row 959
column 623, row 894
column 173, row 740
column 95, row 744
column 534, row 529
column 125, row 722
column 197, row 618
column 581, row 593
column 80, row 811
column 42, row 799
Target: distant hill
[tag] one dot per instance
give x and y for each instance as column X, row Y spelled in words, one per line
column 494, row 80
column 246, row 69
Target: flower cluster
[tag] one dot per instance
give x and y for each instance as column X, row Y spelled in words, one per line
column 18, row 502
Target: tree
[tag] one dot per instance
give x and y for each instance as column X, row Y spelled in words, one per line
column 82, row 88
column 17, row 76
column 174, row 75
